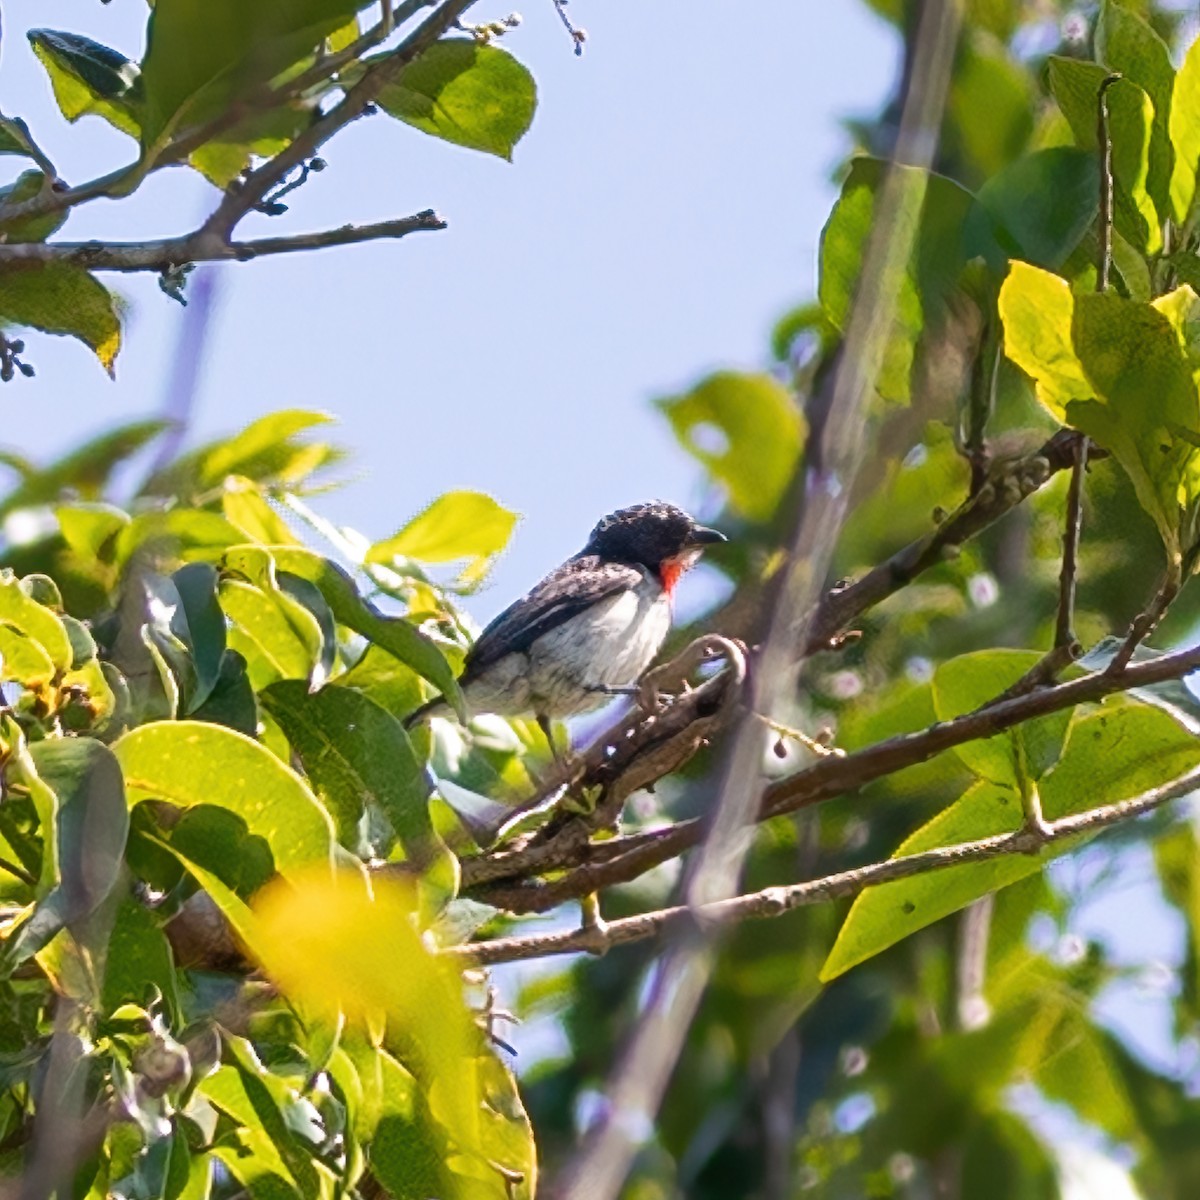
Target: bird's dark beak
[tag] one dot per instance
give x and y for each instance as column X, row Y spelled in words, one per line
column 701, row 535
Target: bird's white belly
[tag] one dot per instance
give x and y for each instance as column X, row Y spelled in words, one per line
column 609, row 646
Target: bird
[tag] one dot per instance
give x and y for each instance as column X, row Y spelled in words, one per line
column 590, row 628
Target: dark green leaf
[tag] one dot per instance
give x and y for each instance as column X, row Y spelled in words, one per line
column 464, row 92
column 231, row 702
column 1041, row 204
column 139, row 961
column 200, row 624
column 356, row 752
column 1076, row 88
column 90, row 78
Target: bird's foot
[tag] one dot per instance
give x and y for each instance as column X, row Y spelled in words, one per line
column 592, row 925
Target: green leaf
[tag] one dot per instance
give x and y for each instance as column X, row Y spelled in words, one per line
column 389, row 682
column 247, row 509
column 1041, row 205
column 26, row 186
column 393, row 634
column 57, row 297
column 35, row 620
column 357, row 753
column 1127, row 44
column 231, row 702
column 200, row 624
column 1110, row 755
column 1184, row 128
column 14, row 137
column 287, row 652
column 939, row 254
column 1038, row 309
column 139, row 961
column 465, row 92
column 90, row 78
column 972, row 680
column 1003, row 1159
column 200, row 54
column 23, row 660
column 1145, row 399
column 990, row 104
column 247, row 452
column 1076, row 87
column 87, row 822
column 190, row 762
column 748, row 432
column 85, row 471
column 456, row 525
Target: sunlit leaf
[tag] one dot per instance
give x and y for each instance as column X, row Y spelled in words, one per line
column 748, row 432
column 58, row 297
column 465, row 92
column 1185, row 133
column 456, row 525
column 190, row 762
column 1110, row 755
column 393, row 634
column 35, row 621
column 1126, row 43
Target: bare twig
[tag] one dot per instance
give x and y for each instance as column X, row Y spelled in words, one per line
column 203, row 247
column 636, row 1086
column 774, row 901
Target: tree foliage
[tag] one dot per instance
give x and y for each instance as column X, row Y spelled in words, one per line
column 249, row 918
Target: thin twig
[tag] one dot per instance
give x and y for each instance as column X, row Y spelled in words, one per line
column 775, row 901
column 1064, row 628
column 1008, row 484
column 203, row 247
column 1105, row 219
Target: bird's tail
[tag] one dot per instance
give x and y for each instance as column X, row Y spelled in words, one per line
column 437, row 707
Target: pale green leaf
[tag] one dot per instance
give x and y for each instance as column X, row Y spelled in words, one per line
column 748, row 432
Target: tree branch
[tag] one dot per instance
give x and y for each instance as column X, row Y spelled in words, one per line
column 204, row 247
column 237, row 203
column 1008, row 484
column 621, row 859
column 126, row 179
column 775, row 901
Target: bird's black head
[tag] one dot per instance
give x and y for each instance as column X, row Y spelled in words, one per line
column 652, row 535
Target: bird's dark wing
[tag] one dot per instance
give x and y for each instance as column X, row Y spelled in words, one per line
column 566, row 591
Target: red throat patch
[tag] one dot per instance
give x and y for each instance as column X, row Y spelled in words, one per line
column 672, row 570
column 670, row 573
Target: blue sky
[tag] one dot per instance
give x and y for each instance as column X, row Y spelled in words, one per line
column 662, row 212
